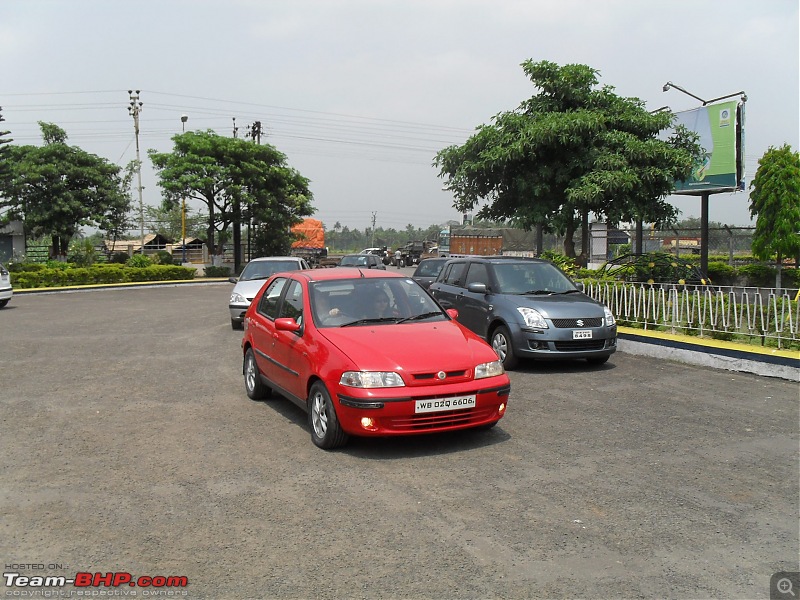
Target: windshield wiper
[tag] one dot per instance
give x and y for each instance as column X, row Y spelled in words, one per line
column 537, row 292
column 426, row 315
column 376, row 320
column 571, row 292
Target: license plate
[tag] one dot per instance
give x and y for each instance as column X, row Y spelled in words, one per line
column 582, row 334
column 441, row 404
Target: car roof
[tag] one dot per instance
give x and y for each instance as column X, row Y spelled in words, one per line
column 502, row 259
column 275, row 258
column 348, row 273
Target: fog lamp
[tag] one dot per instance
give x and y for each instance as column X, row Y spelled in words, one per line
column 367, row 422
column 502, row 408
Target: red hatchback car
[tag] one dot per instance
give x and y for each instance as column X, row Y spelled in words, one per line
column 368, row 353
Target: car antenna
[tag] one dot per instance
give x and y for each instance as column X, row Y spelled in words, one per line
column 360, row 272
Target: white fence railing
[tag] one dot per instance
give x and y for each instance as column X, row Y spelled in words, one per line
column 769, row 316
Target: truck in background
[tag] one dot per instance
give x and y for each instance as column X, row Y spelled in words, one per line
column 310, row 243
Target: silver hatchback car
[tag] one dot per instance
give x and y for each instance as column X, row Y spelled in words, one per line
column 5, row 286
column 253, row 277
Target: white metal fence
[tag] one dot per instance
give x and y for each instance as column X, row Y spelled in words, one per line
column 767, row 316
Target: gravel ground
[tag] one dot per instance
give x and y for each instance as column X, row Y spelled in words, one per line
column 129, row 446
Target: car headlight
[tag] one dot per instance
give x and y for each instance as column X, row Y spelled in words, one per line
column 490, row 369
column 238, row 299
column 610, row 320
column 532, row 317
column 371, row 379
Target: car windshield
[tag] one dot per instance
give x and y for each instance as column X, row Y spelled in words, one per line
column 531, row 278
column 354, row 261
column 263, row 269
column 356, row 302
column 429, row 268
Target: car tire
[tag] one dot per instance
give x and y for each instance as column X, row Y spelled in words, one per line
column 255, row 388
column 597, row 360
column 237, row 324
column 500, row 341
column 326, row 433
column 3, row 303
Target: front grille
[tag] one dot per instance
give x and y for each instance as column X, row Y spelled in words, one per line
column 449, row 375
column 573, row 323
column 452, row 418
column 580, row 345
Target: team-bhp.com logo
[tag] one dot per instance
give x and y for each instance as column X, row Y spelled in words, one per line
column 85, row 580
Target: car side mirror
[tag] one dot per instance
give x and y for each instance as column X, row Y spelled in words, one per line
column 580, row 286
column 233, row 279
column 477, row 288
column 287, row 324
column 452, row 312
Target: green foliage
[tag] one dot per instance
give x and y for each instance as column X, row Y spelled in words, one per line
column 217, row 271
column 119, row 257
column 162, row 257
column 139, row 261
column 56, row 188
column 83, row 254
column 721, row 273
column 775, row 201
column 563, row 262
column 235, row 177
column 38, row 276
column 757, row 275
column 568, row 151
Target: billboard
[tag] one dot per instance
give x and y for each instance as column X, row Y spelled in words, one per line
column 721, row 130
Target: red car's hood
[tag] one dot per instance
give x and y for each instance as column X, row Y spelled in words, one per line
column 411, row 347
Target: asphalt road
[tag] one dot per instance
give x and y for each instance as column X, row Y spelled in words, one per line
column 129, row 446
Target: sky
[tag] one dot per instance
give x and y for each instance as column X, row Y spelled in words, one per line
column 360, row 95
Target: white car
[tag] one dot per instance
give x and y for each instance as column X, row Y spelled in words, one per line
column 5, row 286
column 253, row 277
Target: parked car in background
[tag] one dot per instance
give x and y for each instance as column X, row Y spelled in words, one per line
column 526, row 308
column 363, row 261
column 368, row 353
column 6, row 291
column 428, row 270
column 252, row 277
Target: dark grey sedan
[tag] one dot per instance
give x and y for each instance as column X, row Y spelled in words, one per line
column 526, row 308
column 428, row 270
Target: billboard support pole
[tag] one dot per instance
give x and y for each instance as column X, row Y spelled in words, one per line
column 704, row 232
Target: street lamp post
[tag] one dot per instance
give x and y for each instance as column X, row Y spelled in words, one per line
column 184, row 118
column 134, row 109
column 704, row 196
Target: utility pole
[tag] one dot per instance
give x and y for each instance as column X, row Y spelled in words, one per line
column 372, row 242
column 134, row 109
column 235, row 128
column 184, row 118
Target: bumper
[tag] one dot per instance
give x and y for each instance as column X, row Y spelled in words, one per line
column 6, row 293
column 559, row 344
column 390, row 416
column 237, row 311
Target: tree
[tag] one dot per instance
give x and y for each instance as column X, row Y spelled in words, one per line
column 56, row 188
column 5, row 153
column 167, row 220
column 775, row 202
column 569, row 151
column 232, row 176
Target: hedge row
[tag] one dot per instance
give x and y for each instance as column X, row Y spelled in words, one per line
column 43, row 276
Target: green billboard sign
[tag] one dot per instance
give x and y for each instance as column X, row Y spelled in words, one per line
column 721, row 130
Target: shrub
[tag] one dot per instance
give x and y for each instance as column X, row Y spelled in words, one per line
column 139, row 261
column 163, row 257
column 119, row 257
column 721, row 273
column 218, row 272
column 757, row 276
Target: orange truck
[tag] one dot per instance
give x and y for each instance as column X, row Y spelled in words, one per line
column 310, row 242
